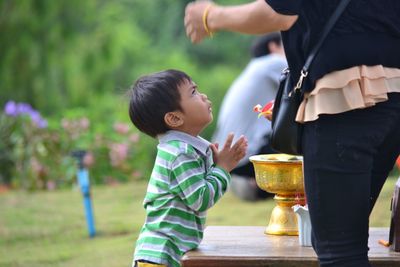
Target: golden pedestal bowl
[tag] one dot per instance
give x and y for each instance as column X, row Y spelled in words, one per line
column 282, row 175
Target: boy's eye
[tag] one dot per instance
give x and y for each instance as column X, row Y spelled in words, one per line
column 195, row 92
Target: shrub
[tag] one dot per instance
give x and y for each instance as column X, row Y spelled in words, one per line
column 32, row 155
column 35, row 154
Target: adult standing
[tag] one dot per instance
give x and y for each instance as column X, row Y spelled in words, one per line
column 259, row 81
column 351, row 109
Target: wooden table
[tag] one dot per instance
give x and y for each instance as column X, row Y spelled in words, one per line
column 248, row 246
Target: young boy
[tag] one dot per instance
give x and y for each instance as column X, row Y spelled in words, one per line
column 189, row 173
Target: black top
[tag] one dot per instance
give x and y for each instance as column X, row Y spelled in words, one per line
column 367, row 33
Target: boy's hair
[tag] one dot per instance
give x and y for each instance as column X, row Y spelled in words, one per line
column 152, row 96
column 260, row 48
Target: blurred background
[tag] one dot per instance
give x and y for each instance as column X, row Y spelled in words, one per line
column 65, row 68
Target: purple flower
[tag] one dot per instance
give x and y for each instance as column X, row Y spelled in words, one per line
column 11, row 109
column 37, row 119
column 35, row 116
column 42, row 123
column 15, row 109
column 24, row 108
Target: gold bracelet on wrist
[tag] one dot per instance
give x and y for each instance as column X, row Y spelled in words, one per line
column 205, row 25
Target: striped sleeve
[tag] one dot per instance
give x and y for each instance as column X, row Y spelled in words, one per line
column 197, row 188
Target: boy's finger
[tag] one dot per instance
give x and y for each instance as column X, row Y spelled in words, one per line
column 216, row 145
column 244, row 145
column 243, row 149
column 228, row 141
column 241, row 141
column 214, row 148
column 241, row 154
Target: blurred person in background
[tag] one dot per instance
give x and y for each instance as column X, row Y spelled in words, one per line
column 258, row 83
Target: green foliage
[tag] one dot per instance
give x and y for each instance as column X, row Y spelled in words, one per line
column 104, row 113
column 65, row 50
column 76, row 59
column 69, row 51
column 32, row 157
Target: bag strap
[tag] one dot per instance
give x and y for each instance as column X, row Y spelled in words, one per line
column 328, row 27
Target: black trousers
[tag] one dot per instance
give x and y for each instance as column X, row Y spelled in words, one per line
column 347, row 158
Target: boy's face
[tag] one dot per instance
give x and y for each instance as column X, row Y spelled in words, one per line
column 197, row 112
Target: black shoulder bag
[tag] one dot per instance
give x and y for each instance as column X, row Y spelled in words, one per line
column 286, row 133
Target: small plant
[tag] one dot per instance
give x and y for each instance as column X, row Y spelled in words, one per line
column 32, row 155
column 117, row 150
column 35, row 154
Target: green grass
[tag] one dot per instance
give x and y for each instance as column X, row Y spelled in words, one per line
column 48, row 228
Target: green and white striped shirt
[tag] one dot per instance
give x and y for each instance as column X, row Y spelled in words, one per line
column 184, row 183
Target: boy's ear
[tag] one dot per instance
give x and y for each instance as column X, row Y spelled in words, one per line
column 173, row 119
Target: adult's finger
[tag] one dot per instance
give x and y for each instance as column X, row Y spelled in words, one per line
column 188, row 8
column 189, row 30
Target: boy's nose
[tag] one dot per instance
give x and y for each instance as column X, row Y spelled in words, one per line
column 204, row 96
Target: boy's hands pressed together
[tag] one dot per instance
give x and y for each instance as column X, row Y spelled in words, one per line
column 230, row 155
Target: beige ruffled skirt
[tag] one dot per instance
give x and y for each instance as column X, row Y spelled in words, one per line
column 344, row 90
